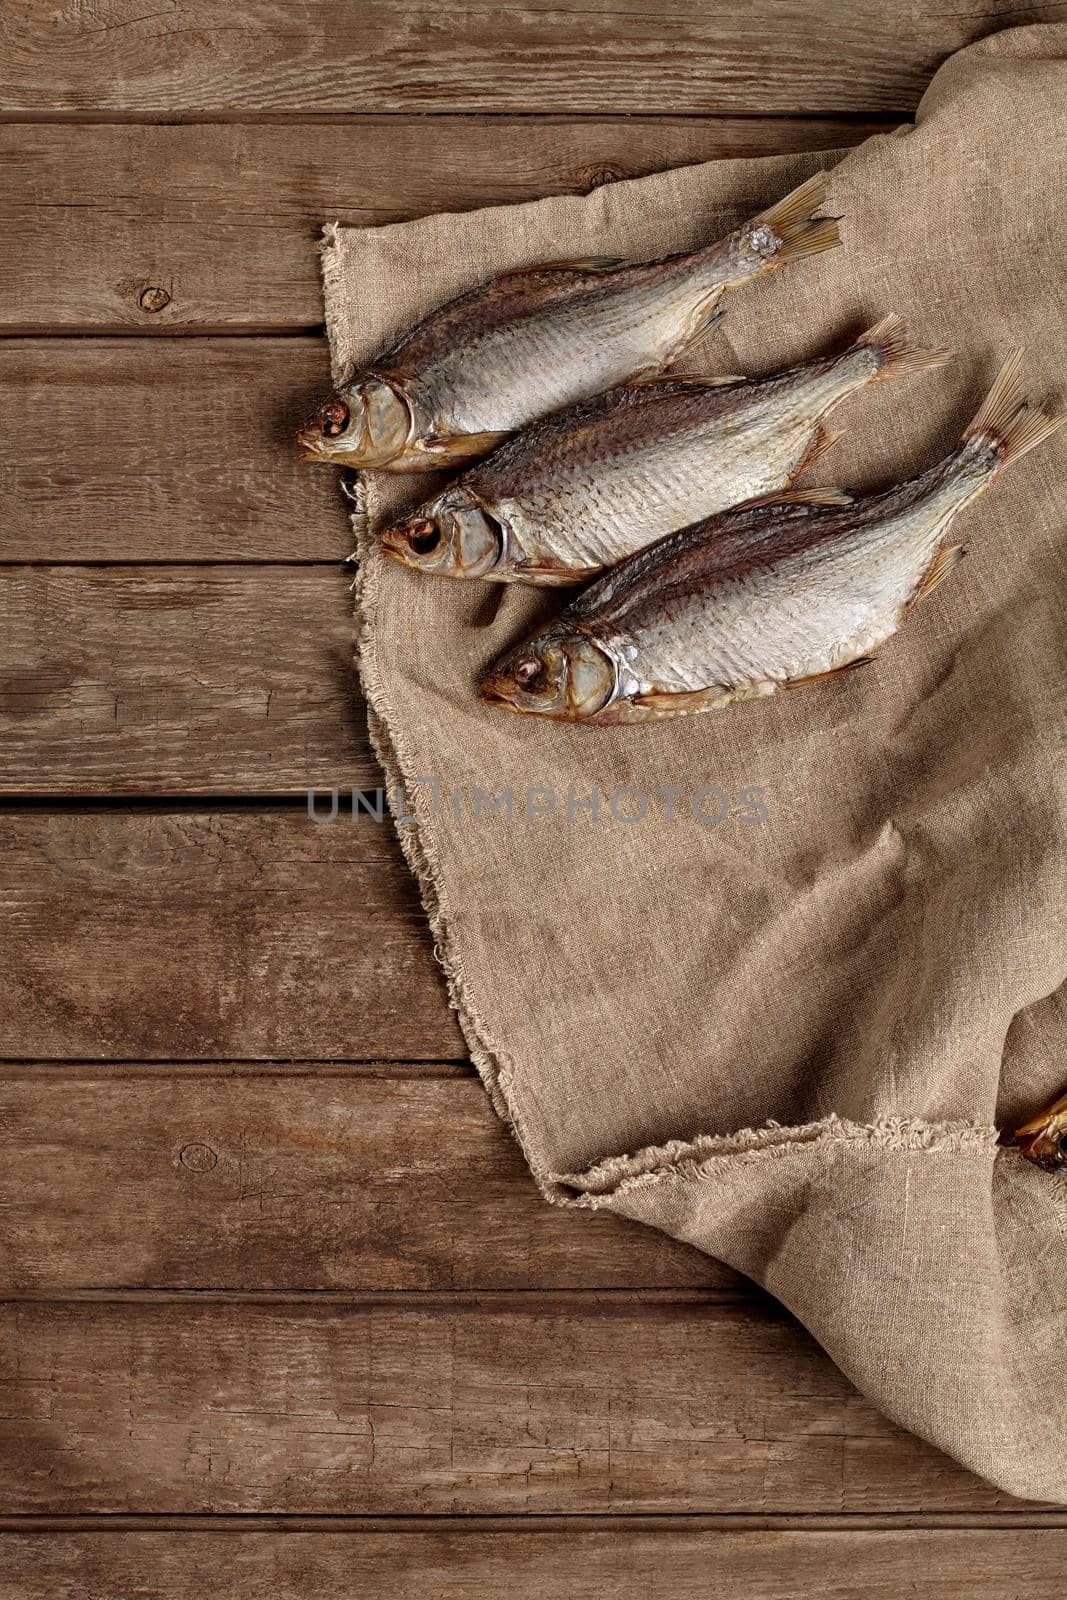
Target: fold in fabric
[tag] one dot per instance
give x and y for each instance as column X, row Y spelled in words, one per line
column 788, row 1036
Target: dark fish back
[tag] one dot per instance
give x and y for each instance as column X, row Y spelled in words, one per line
column 729, row 546
column 505, row 301
column 615, row 422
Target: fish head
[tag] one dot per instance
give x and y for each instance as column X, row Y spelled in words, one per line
column 369, row 424
column 454, row 536
column 1044, row 1140
column 563, row 675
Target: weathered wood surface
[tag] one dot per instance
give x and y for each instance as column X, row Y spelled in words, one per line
column 175, row 450
column 225, row 220
column 579, row 1403
column 202, row 56
column 179, row 680
column 945, row 1564
column 236, row 935
column 423, row 1354
column 293, row 1183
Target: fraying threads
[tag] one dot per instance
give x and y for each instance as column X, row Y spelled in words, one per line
column 691, row 1160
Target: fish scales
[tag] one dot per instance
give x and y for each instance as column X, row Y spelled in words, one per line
column 834, row 591
column 765, row 596
column 541, row 337
column 581, row 490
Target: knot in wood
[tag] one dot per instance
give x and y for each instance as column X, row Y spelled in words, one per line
column 198, row 1157
column 153, row 298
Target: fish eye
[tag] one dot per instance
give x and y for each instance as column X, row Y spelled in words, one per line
column 424, row 537
column 528, row 674
column 334, row 418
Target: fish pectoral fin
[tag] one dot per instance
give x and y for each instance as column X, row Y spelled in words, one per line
column 823, row 439
column 937, row 572
column 831, row 672
column 551, row 576
column 665, row 703
column 443, row 449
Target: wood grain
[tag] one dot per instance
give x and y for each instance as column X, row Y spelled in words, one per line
column 179, row 680
column 515, row 1403
column 515, row 1565
column 226, row 219
column 442, row 1341
column 293, row 1183
column 775, row 56
column 148, row 935
column 148, row 450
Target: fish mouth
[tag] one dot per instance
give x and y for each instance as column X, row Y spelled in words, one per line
column 306, row 446
column 494, row 695
column 393, row 545
column 312, row 447
column 502, row 694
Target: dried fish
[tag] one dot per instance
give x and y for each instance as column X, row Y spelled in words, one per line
column 1044, row 1139
column 544, row 336
column 580, row 490
column 767, row 596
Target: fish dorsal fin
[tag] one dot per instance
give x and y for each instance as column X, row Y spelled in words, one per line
column 581, row 264
column 804, row 497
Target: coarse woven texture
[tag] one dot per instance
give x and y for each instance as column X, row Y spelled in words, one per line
column 790, row 1041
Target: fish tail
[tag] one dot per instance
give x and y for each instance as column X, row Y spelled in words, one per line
column 796, row 231
column 1010, row 422
column 896, row 351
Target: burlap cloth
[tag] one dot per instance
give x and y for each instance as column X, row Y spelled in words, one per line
column 790, row 1042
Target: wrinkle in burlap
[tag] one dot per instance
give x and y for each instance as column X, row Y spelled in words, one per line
column 791, row 1042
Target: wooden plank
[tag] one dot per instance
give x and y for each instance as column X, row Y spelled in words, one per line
column 143, row 450
column 225, row 220
column 774, row 56
column 517, row 1403
column 518, row 1565
column 179, row 680
column 249, row 934
column 293, row 1183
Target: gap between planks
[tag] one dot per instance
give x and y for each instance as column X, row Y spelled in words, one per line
column 659, row 1522
column 483, row 1302
column 356, row 119
column 70, row 1069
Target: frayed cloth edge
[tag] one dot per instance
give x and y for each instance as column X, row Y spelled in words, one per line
column 387, row 744
column 692, row 1159
column 417, row 849
column 330, row 252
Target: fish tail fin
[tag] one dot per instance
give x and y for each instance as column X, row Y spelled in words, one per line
column 896, row 350
column 1009, row 422
column 796, row 230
